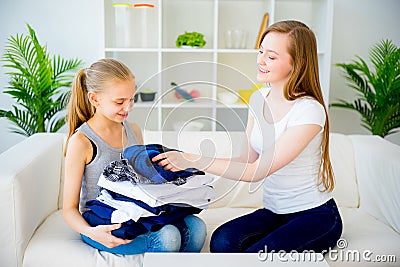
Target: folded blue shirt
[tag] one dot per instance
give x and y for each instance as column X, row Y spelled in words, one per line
column 140, row 158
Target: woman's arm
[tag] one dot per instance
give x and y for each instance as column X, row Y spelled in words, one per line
column 287, row 147
column 75, row 161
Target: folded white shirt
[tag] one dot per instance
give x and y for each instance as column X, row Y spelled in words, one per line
column 195, row 192
column 125, row 210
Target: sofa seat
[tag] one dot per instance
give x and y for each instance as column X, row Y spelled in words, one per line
column 34, row 234
column 55, row 236
column 358, row 227
column 55, row 240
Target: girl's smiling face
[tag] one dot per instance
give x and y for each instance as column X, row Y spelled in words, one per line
column 273, row 60
column 116, row 100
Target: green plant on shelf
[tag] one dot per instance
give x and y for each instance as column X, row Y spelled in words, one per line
column 192, row 39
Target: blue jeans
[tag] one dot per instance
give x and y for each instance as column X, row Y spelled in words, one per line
column 185, row 237
column 315, row 229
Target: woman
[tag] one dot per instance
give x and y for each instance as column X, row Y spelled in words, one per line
column 288, row 133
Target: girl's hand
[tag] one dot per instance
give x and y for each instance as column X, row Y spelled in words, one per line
column 176, row 161
column 102, row 234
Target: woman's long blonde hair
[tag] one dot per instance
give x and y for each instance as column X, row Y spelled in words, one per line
column 304, row 81
column 92, row 79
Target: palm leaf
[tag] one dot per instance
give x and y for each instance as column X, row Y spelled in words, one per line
column 378, row 89
column 35, row 84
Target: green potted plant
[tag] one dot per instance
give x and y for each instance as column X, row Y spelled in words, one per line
column 36, row 84
column 378, row 89
column 190, row 39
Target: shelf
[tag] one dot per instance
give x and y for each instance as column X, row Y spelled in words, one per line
column 150, row 104
column 187, row 50
column 213, row 68
column 237, row 51
column 233, row 106
column 193, row 105
column 197, row 103
column 135, row 50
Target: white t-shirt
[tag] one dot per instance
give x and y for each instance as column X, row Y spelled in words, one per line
column 294, row 187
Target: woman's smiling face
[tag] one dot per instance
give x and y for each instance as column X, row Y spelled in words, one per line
column 273, row 60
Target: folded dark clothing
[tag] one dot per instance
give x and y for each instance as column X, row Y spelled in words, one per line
column 100, row 213
column 128, row 230
column 140, row 158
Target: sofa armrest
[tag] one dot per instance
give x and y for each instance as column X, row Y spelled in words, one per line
column 377, row 163
column 29, row 188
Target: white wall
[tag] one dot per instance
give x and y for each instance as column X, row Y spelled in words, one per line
column 357, row 26
column 69, row 28
column 72, row 29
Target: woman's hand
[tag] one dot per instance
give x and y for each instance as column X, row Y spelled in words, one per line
column 102, row 234
column 176, row 161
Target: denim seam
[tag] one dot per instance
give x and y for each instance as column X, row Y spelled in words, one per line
column 322, row 235
column 241, row 241
column 185, row 236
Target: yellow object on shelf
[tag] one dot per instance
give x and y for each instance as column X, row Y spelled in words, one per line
column 245, row 94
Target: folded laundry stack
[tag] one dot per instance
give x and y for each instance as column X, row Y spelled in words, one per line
column 142, row 196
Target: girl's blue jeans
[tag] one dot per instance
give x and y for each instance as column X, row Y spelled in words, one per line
column 170, row 238
column 316, row 229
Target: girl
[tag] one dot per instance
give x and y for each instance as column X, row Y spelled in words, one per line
column 288, row 133
column 102, row 97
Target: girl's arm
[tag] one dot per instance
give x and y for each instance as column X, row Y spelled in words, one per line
column 287, row 147
column 75, row 161
column 138, row 132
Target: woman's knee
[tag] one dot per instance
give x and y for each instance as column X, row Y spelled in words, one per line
column 222, row 241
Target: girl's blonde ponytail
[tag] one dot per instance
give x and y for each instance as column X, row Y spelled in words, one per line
column 80, row 109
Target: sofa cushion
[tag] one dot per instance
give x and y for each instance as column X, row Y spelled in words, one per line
column 378, row 167
column 54, row 240
column 28, row 193
column 362, row 233
column 342, row 159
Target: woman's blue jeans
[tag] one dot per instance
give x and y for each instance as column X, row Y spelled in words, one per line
column 188, row 237
column 316, row 229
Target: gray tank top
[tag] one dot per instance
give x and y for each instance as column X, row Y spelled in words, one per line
column 105, row 154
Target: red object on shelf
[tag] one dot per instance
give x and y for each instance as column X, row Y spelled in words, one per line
column 143, row 5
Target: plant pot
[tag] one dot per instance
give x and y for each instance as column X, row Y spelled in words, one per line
column 145, row 97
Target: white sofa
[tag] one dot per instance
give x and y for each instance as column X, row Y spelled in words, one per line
column 33, row 233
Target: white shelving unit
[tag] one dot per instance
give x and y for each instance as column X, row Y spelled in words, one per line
column 213, row 68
